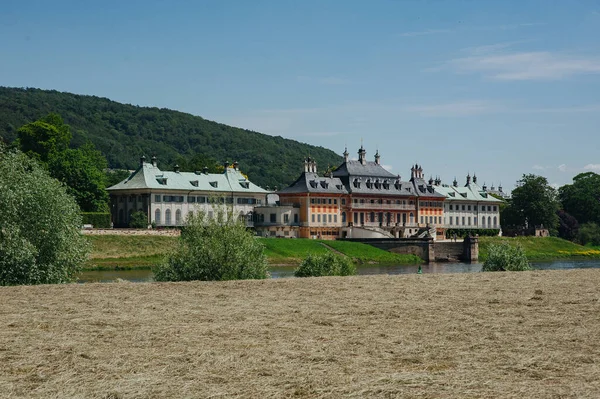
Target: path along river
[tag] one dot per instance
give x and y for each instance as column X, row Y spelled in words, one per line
column 288, row 271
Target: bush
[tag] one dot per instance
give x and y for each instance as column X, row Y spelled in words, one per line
column 463, row 233
column 506, row 257
column 40, row 225
column 99, row 220
column 589, row 233
column 214, row 249
column 328, row 264
column 138, row 220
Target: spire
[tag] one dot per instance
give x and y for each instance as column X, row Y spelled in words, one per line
column 362, row 154
column 474, row 178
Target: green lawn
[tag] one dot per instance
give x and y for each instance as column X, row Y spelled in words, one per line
column 128, row 252
column 290, row 251
column 364, row 253
column 541, row 248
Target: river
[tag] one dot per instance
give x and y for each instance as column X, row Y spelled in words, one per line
column 139, row 276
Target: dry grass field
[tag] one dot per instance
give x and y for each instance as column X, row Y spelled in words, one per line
column 512, row 335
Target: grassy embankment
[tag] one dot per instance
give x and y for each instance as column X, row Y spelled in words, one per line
column 130, row 252
column 471, row 335
column 541, row 248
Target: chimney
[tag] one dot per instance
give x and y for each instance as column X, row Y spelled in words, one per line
column 225, row 165
column 484, row 187
column 346, row 154
column 314, row 166
column 142, row 160
column 236, row 165
column 430, row 180
column 306, row 163
column 455, row 183
column 176, row 169
column 205, row 170
column 474, row 178
column 420, row 170
column 153, row 160
column 377, row 157
column 468, row 179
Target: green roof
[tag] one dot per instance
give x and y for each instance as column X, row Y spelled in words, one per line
column 148, row 176
column 470, row 192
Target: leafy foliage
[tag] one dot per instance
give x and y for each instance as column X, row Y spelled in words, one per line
column 40, row 238
column 462, row 233
column 582, row 198
column 533, row 203
column 138, row 220
column 125, row 132
column 506, row 257
column 327, row 264
column 568, row 227
column 100, row 220
column 214, row 249
column 589, row 233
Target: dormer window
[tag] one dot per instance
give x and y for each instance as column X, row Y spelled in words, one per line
column 194, row 183
column 245, row 184
column 162, row 180
column 369, row 183
column 324, row 184
column 313, row 184
column 215, row 184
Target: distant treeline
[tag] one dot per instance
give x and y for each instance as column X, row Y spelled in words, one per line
column 122, row 133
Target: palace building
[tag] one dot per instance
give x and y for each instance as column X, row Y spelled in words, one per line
column 168, row 197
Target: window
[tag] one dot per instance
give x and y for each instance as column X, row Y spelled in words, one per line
column 131, row 198
column 319, row 218
column 312, row 200
column 463, row 208
column 178, row 217
column 489, row 208
column 191, row 199
column 494, row 208
column 286, row 218
column 329, row 201
column 421, row 219
column 201, row 200
column 450, row 206
column 335, row 201
column 313, row 217
column 430, row 219
column 343, row 201
column 483, row 208
column 334, row 218
column 372, row 217
column 451, row 221
column 475, row 220
column 295, row 218
column 272, row 218
column 168, row 217
column 463, row 220
column 157, row 198
column 469, row 208
column 329, row 218
column 495, row 222
column 469, row 220
column 157, row 216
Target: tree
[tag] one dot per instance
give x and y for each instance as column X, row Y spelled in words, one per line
column 214, row 249
column 40, row 225
column 82, row 171
column 589, row 233
column 568, row 227
column 327, row 264
column 582, row 198
column 533, row 203
column 506, row 257
column 41, row 138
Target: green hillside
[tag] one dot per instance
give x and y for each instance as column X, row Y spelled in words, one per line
column 124, row 132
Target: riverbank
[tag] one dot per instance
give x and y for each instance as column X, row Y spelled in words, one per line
column 478, row 335
column 541, row 248
column 122, row 252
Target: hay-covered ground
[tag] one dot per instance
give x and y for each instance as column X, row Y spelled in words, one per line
column 520, row 335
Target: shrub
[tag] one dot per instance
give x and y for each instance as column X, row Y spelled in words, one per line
column 214, row 249
column 99, row 220
column 40, row 225
column 138, row 220
column 589, row 233
column 328, row 264
column 506, row 257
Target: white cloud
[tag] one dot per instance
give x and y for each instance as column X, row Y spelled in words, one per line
column 538, row 65
column 538, row 167
column 562, row 167
column 592, row 166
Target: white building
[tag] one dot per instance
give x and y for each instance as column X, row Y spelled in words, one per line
column 470, row 206
column 168, row 197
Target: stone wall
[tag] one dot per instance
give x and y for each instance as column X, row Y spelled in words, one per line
column 449, row 251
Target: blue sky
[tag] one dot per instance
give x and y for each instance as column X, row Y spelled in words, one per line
column 496, row 88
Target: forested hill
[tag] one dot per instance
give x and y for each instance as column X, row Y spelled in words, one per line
column 124, row 132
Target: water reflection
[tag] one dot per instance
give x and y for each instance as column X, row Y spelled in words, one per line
column 287, row 271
